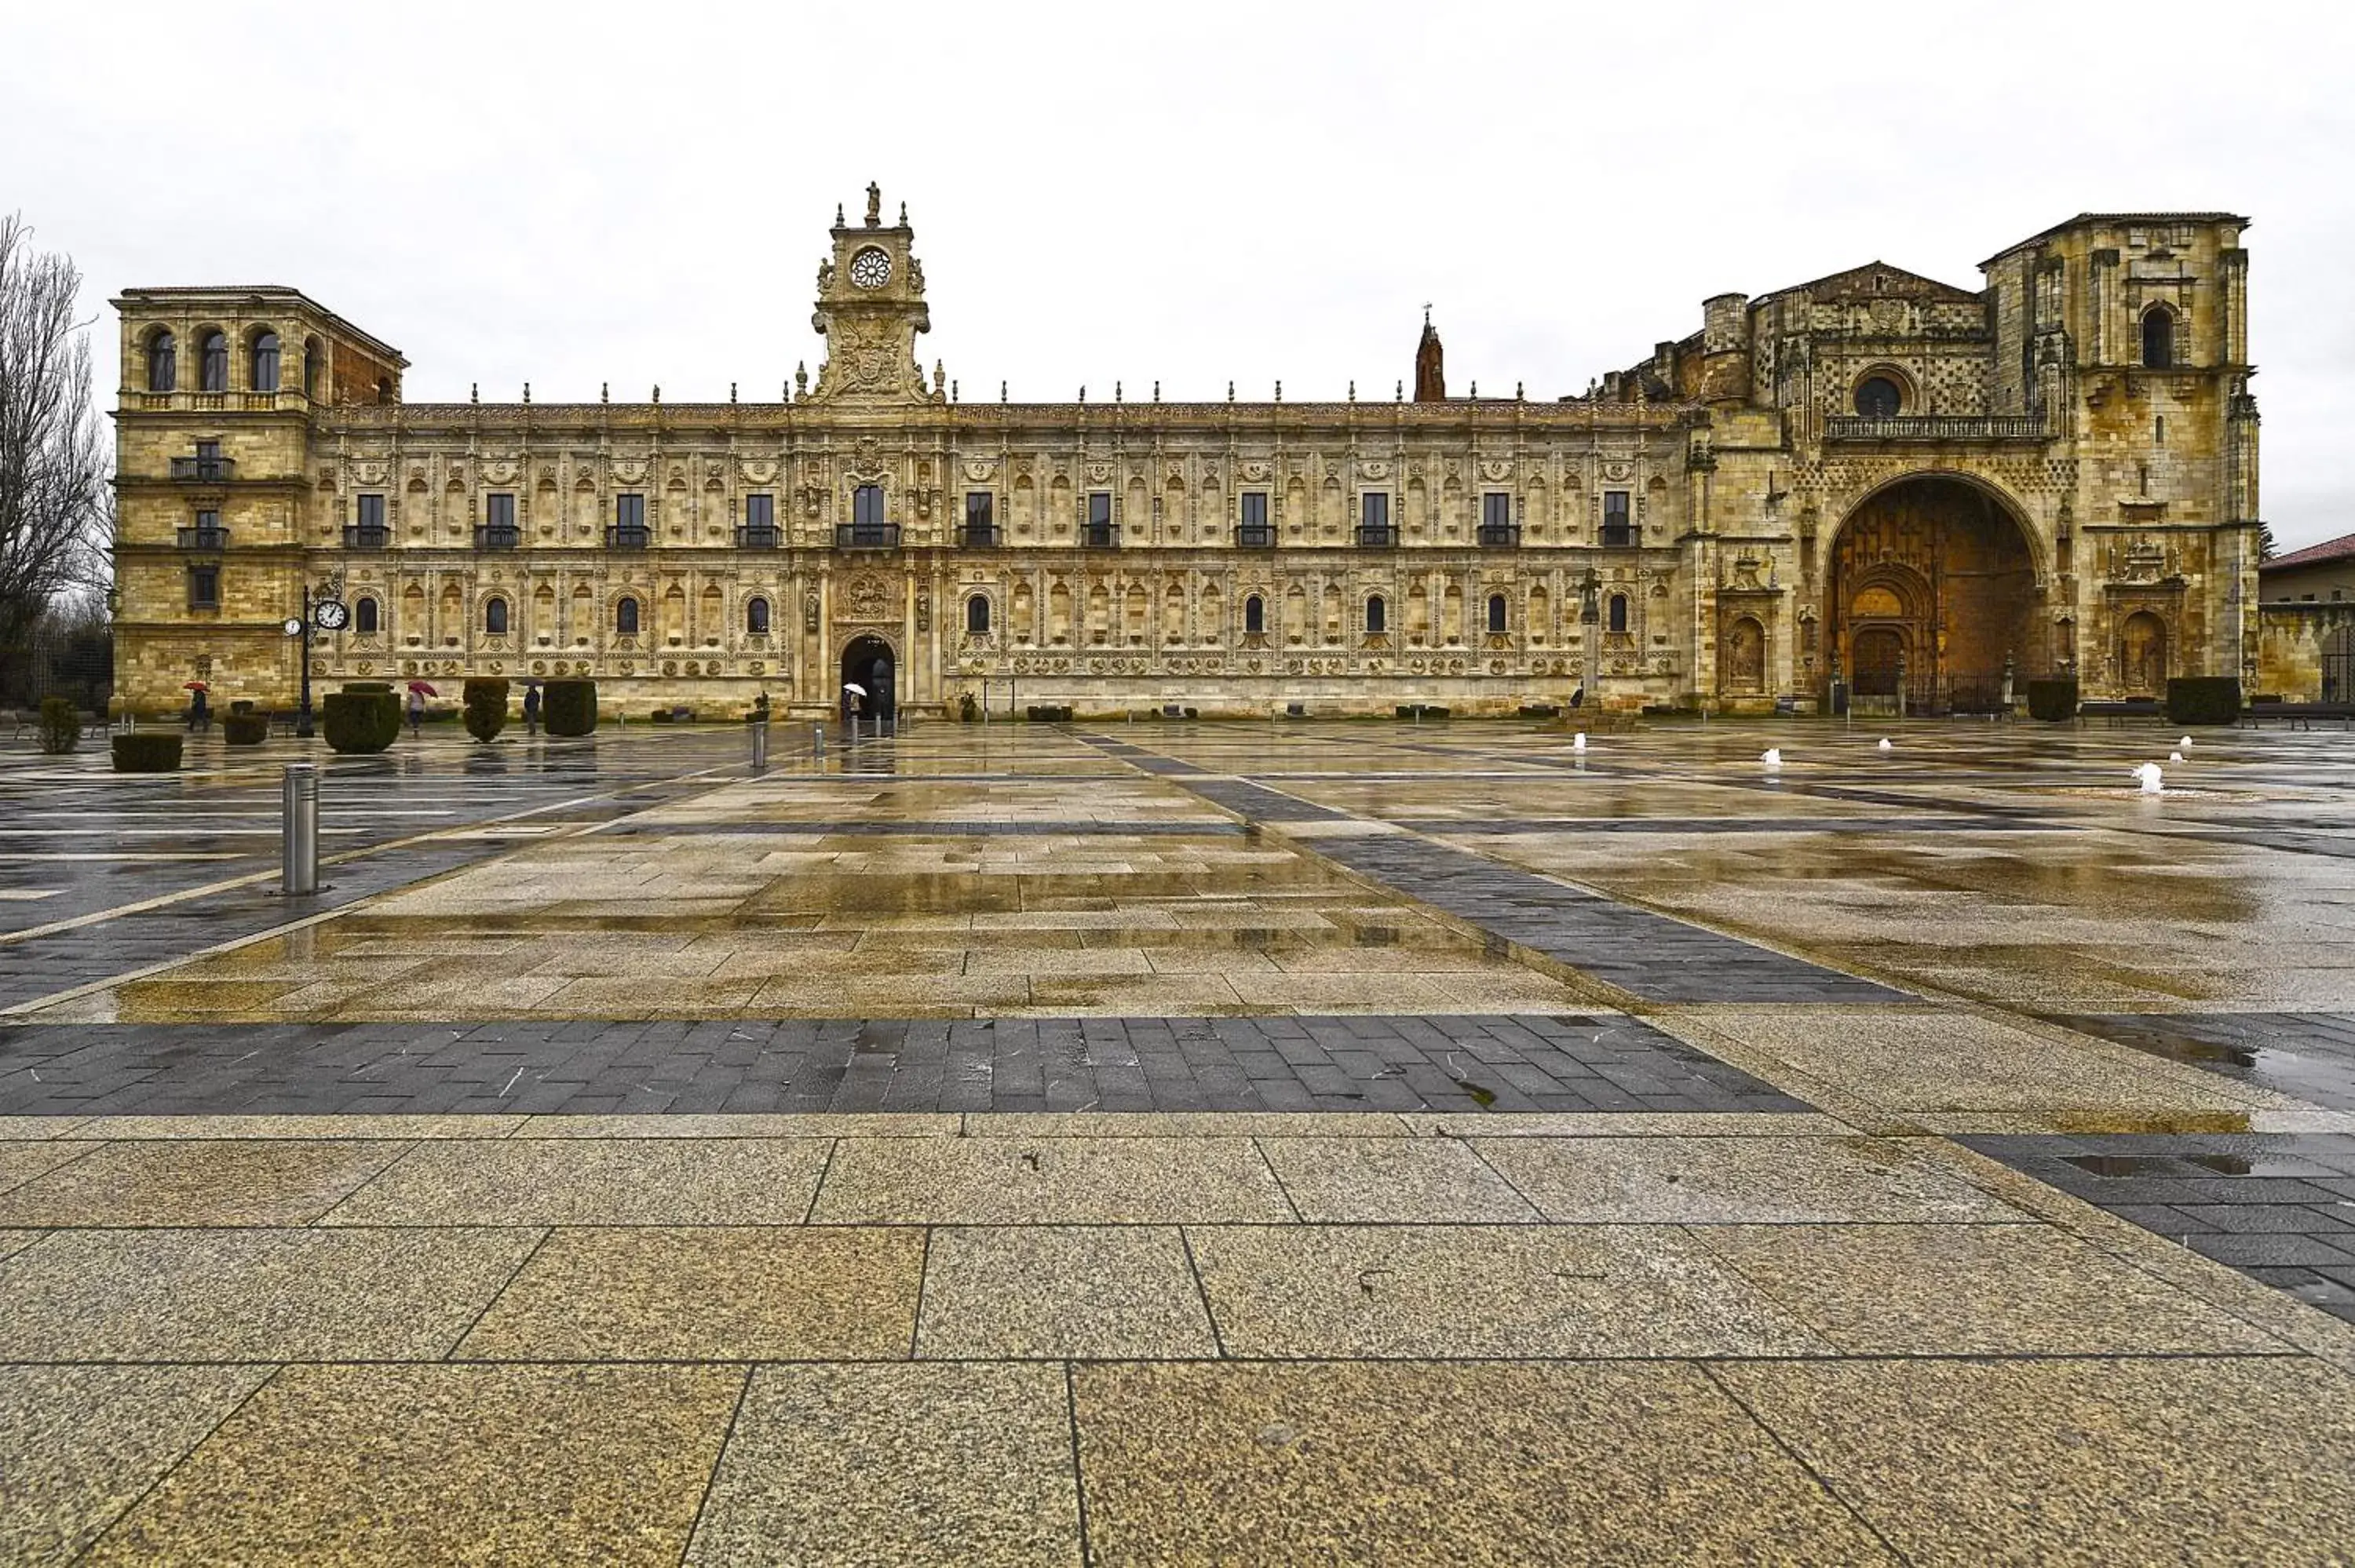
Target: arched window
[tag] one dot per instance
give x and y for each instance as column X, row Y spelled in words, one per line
column 384, row 388
column 495, row 617
column 1496, row 613
column 163, row 363
column 310, row 369
column 1377, row 615
column 1254, row 616
column 213, row 369
column 364, row 616
column 1879, row 397
column 264, row 362
column 2159, row 338
column 976, row 615
column 1618, row 613
column 626, row 618
column 756, row 616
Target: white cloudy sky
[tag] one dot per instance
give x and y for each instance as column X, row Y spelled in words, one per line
column 571, row 193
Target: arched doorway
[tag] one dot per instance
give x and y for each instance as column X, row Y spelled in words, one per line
column 1936, row 571
column 2142, row 655
column 867, row 664
column 1744, row 662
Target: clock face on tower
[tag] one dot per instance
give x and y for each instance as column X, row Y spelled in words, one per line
column 871, row 269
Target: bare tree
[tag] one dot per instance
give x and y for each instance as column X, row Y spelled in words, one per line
column 54, row 498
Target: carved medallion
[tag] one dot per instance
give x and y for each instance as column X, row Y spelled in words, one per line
column 869, row 597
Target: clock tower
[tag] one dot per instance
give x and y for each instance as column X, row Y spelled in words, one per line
column 870, row 306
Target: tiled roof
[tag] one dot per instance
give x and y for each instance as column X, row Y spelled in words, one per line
column 2339, row 549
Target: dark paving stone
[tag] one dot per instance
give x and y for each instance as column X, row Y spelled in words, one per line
column 2294, row 1235
column 2310, row 1055
column 1223, row 1063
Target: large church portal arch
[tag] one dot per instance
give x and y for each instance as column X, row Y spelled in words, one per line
column 1932, row 582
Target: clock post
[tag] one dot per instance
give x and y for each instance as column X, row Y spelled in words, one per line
column 323, row 610
column 303, row 709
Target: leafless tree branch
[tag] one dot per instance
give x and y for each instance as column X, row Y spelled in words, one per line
column 56, row 505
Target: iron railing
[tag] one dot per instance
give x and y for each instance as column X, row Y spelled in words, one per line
column 1254, row 537
column 978, row 536
column 491, row 537
column 1372, row 536
column 204, row 538
column 1499, row 535
column 203, row 470
column 1100, row 537
column 867, row 535
column 759, row 537
column 361, row 537
column 623, row 536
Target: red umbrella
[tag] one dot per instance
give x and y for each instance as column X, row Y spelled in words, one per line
column 425, row 687
column 195, row 686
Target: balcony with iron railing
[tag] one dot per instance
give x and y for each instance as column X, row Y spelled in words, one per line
column 622, row 537
column 1935, row 428
column 203, row 470
column 867, row 535
column 1619, row 536
column 1100, row 537
column 1254, row 537
column 978, row 536
column 491, row 537
column 361, row 537
column 1372, row 536
column 759, row 537
column 214, row 538
column 1499, row 535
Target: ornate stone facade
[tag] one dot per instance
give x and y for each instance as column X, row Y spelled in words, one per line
column 1873, row 477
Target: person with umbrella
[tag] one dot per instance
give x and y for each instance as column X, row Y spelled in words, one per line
column 418, row 692
column 854, row 703
column 531, row 707
column 200, row 715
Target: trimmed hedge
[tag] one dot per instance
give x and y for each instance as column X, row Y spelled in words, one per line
column 152, row 751
column 486, row 708
column 1047, row 712
column 362, row 720
column 2203, row 699
column 2053, row 700
column 60, row 725
column 1420, row 710
column 569, row 708
column 247, row 728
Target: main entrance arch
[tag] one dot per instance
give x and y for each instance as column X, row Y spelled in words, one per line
column 867, row 664
column 1932, row 583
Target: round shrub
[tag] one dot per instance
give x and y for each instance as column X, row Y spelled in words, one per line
column 569, row 706
column 150, row 751
column 2203, row 699
column 2053, row 700
column 486, row 708
column 248, row 728
column 60, row 725
column 362, row 721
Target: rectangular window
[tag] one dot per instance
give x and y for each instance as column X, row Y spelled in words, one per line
column 629, row 523
column 207, row 522
column 372, row 513
column 1102, row 536
column 1374, row 510
column 1254, row 509
column 980, row 517
column 1497, row 519
column 761, row 513
column 498, row 511
column 1616, row 528
column 204, row 588
column 368, row 532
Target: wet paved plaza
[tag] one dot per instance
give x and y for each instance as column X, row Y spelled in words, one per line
column 1170, row 1143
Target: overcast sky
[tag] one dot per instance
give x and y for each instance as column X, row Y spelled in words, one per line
column 639, row 194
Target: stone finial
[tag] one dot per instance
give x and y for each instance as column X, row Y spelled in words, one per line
column 474, row 391
column 1517, row 394
column 801, row 379
column 838, row 215
column 657, row 391
column 1156, row 390
column 1353, row 390
column 784, row 391
column 904, row 214
column 731, row 391
column 940, row 375
column 953, row 391
column 604, row 391
column 1083, row 391
column 526, row 391
column 1279, row 391
column 1230, row 391
column 1476, row 391
column 1399, row 395
column 1119, row 395
column 1001, row 391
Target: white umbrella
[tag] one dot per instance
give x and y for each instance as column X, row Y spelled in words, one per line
column 855, row 688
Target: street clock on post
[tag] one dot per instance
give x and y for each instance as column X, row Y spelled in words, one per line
column 330, row 615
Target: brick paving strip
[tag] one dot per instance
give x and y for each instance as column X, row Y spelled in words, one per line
column 1552, row 1063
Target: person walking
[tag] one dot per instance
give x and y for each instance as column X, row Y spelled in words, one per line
column 531, row 710
column 416, row 713
column 200, row 715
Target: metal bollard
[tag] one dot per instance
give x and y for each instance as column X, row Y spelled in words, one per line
column 299, row 831
column 817, row 740
column 759, row 745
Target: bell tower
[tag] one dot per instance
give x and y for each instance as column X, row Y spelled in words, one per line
column 870, row 306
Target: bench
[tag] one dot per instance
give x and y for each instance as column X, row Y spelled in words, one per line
column 2299, row 716
column 2121, row 711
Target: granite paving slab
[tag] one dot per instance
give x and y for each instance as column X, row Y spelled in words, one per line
column 1062, row 1292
